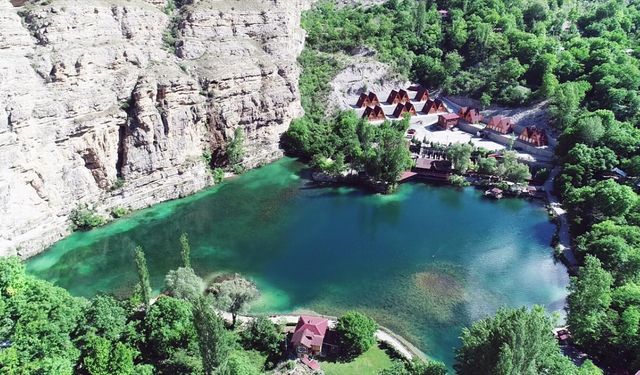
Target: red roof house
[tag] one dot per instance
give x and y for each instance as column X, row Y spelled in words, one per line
column 396, row 97
column 422, row 95
column 534, row 136
column 434, row 106
column 401, row 109
column 374, row 113
column 309, row 335
column 367, row 100
column 448, row 120
column 470, row 115
column 500, row 124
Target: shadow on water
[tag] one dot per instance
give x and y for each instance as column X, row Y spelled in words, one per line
column 424, row 261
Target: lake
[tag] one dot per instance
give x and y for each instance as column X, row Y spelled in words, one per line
column 424, row 261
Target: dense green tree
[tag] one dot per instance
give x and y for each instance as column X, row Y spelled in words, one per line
column 512, row 342
column 238, row 363
column 263, row 335
column 357, row 333
column 460, row 156
column 589, row 303
column 169, row 326
column 487, row 165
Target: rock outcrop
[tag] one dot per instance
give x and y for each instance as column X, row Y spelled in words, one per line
column 99, row 107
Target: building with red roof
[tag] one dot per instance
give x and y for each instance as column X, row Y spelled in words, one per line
column 500, row 124
column 534, row 136
column 422, row 95
column 309, row 335
column 396, row 97
column 448, row 120
column 470, row 115
column 434, row 106
column 401, row 109
column 367, row 100
column 374, row 113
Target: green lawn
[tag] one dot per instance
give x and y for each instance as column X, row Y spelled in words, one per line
column 372, row 361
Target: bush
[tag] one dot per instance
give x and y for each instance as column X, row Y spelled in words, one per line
column 118, row 212
column 458, row 181
column 218, row 176
column 357, row 333
column 84, row 218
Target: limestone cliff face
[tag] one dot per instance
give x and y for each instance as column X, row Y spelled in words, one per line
column 95, row 108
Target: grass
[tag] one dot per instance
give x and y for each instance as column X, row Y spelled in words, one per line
column 372, row 361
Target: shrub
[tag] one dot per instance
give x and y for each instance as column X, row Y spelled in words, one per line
column 458, row 181
column 218, row 175
column 84, row 218
column 118, row 212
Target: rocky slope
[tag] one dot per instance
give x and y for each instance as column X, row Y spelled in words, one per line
column 97, row 108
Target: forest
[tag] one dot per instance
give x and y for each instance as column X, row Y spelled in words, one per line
column 581, row 58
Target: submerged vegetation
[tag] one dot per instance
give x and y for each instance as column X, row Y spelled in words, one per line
column 581, row 56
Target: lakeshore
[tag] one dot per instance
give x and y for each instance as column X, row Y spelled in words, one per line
column 335, row 249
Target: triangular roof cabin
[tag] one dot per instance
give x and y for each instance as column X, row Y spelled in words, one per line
column 363, row 101
column 534, row 136
column 500, row 124
column 373, row 113
column 396, row 97
column 470, row 115
column 373, row 99
column 422, row 95
column 401, row 109
column 367, row 100
column 434, row 106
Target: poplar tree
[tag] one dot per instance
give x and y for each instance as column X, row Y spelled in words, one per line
column 214, row 340
column 186, row 250
column 143, row 276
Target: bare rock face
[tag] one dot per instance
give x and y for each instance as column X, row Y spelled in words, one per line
column 362, row 75
column 96, row 109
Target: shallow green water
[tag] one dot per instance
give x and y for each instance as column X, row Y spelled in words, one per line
column 424, row 261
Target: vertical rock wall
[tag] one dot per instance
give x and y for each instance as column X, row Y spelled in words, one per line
column 96, row 109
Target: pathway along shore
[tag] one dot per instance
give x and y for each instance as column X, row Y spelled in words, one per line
column 564, row 237
column 383, row 335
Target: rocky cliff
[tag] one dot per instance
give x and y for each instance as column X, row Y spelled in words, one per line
column 113, row 103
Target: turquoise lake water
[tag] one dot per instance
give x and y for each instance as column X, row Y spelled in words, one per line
column 425, row 261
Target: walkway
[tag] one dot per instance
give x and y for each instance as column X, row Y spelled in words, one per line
column 564, row 237
column 383, row 334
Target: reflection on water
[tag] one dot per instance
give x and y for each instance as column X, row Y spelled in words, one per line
column 424, row 261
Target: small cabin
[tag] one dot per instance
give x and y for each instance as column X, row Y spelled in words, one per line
column 422, row 95
column 374, row 113
column 448, row 120
column 367, row 100
column 401, row 109
column 500, row 124
column 470, row 115
column 434, row 106
column 396, row 97
column 534, row 136
column 308, row 335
